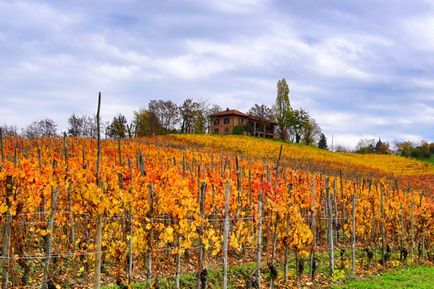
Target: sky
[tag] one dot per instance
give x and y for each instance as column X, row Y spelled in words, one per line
column 363, row 69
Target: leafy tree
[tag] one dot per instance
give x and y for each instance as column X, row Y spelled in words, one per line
column 311, row 132
column 298, row 122
column 146, row 123
column 404, row 148
column 118, row 127
column 238, row 130
column 282, row 108
column 322, row 144
column 42, row 128
column 166, row 111
column 262, row 111
column 200, row 119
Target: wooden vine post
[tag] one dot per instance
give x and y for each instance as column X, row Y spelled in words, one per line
column 276, row 221
column 199, row 284
column 50, row 227
column 286, row 258
column 259, row 244
column 313, row 229
column 226, row 238
column 383, row 261
column 150, row 236
column 330, row 228
column 130, row 231
column 2, row 150
column 7, row 234
column 98, row 239
column 353, row 234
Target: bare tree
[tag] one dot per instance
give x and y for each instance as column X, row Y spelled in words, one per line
column 166, row 111
column 118, row 127
column 193, row 117
column 262, row 110
column 75, row 125
column 9, row 130
column 42, row 128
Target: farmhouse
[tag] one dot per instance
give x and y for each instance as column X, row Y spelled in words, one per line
column 232, row 121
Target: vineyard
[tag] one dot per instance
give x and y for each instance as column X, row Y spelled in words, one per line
column 151, row 210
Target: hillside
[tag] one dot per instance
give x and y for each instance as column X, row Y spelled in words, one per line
column 266, row 148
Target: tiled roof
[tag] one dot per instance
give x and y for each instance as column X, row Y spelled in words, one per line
column 237, row 112
column 229, row 112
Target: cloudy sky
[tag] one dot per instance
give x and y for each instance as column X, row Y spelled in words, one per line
column 361, row 68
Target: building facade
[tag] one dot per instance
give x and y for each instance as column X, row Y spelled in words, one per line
column 224, row 122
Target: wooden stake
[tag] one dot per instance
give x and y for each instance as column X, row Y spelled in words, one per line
column 382, row 225
column 50, row 226
column 150, row 237
column 226, row 238
column 1, row 146
column 202, row 191
column 353, row 235
column 7, row 234
column 330, row 228
column 98, row 254
column 313, row 229
column 259, row 245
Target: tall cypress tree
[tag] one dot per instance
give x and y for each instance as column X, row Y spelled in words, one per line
column 283, row 108
column 322, row 144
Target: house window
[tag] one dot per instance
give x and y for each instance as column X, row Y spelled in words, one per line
column 240, row 121
column 216, row 131
column 226, row 120
column 216, row 121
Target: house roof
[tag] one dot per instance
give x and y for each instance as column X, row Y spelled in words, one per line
column 239, row 113
column 229, row 112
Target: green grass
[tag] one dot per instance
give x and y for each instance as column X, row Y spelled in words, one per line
column 427, row 160
column 418, row 277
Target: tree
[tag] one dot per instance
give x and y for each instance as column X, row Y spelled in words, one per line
column 282, row 108
column 322, row 144
column 297, row 123
column 311, row 132
column 166, row 111
column 75, row 126
column 118, row 127
column 262, row 111
column 9, row 130
column 193, row 117
column 146, row 123
column 209, row 111
column 42, row 128
column 89, row 126
column 365, row 145
column 404, row 148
